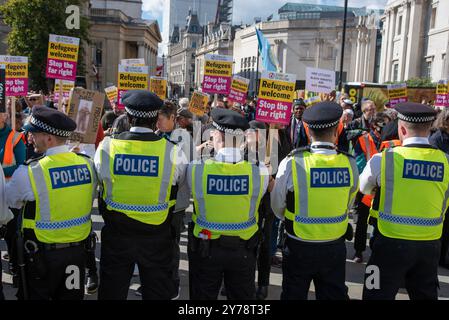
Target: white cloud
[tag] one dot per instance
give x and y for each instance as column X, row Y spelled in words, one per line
column 153, row 8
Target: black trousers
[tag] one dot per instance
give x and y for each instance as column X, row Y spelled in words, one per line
column 152, row 254
column 2, row 296
column 414, row 263
column 177, row 222
column 361, row 228
column 322, row 263
column 444, row 258
column 236, row 266
column 60, row 277
column 266, row 218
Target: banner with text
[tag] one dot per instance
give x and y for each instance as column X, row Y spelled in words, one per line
column 67, row 85
column 62, row 57
column 217, row 74
column 198, row 103
column 85, row 108
column 276, row 93
column 239, row 89
column 111, row 93
column 140, row 62
column 442, row 97
column 158, row 85
column 320, row 80
column 397, row 93
column 16, row 75
column 131, row 78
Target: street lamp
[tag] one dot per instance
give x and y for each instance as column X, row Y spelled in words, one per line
column 163, row 65
column 342, row 56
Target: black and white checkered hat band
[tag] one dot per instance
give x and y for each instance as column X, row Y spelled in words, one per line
column 141, row 114
column 323, row 125
column 415, row 119
column 227, row 130
column 49, row 129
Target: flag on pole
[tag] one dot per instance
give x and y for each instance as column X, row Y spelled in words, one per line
column 269, row 62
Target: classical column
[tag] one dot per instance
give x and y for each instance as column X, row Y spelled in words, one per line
column 412, row 61
column 383, row 49
column 357, row 57
column 404, row 34
column 140, row 50
column 388, row 60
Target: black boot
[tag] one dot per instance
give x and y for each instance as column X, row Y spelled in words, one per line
column 262, row 292
column 92, row 283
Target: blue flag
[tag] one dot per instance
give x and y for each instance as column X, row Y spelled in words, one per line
column 269, row 63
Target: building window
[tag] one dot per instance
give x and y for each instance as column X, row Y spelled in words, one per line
column 330, row 52
column 428, row 69
column 194, row 44
column 433, row 17
column 305, row 50
column 399, row 26
column 396, row 72
column 98, row 54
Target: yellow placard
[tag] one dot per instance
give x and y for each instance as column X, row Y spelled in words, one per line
column 239, row 85
column 218, row 68
column 111, row 93
column 276, row 90
column 397, row 93
column 442, row 88
column 16, row 70
column 198, row 103
column 132, row 81
column 63, row 51
column 159, row 87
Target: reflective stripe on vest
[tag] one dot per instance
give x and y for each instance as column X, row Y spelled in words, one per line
column 201, row 199
column 9, row 159
column 409, row 226
column 160, row 204
column 63, row 196
column 301, row 173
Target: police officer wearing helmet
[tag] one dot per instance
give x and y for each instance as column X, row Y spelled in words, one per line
column 413, row 183
column 56, row 191
column 314, row 189
column 140, row 173
column 223, row 236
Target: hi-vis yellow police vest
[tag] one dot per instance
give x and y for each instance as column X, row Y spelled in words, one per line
column 137, row 178
column 63, row 186
column 324, row 187
column 414, row 193
column 226, row 198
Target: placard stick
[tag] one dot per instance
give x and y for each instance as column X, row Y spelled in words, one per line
column 13, row 113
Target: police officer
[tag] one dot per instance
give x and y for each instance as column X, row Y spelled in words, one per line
column 223, row 236
column 140, row 173
column 5, row 216
column 413, row 183
column 57, row 191
column 313, row 191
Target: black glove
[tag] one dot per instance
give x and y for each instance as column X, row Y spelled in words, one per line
column 349, row 232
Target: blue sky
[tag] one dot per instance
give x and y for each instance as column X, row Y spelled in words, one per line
column 246, row 10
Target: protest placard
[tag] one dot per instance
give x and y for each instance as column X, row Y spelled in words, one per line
column 85, row 109
column 2, row 88
column 131, row 78
column 16, row 75
column 276, row 92
column 67, row 85
column 239, row 89
column 140, row 62
column 442, row 95
column 62, row 57
column 158, row 85
column 198, row 103
column 217, row 74
column 397, row 93
column 111, row 93
column 320, row 80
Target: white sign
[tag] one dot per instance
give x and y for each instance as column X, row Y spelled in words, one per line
column 140, row 62
column 320, row 80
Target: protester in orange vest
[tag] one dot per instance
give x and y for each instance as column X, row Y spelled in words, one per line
column 365, row 147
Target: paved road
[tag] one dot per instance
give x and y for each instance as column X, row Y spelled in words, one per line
column 354, row 274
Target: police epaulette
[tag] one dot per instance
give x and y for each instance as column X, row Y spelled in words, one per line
column 29, row 161
column 298, row 150
column 345, row 153
column 83, row 155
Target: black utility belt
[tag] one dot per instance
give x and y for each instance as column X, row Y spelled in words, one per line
column 233, row 241
column 34, row 246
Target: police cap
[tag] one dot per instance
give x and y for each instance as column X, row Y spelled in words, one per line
column 415, row 112
column 50, row 121
column 141, row 103
column 229, row 121
column 322, row 115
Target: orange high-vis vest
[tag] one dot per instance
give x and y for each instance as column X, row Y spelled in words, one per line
column 390, row 144
column 339, row 131
column 368, row 146
column 13, row 139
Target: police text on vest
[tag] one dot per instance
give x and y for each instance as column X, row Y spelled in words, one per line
column 133, row 165
column 227, row 185
column 423, row 170
column 64, row 177
column 329, row 177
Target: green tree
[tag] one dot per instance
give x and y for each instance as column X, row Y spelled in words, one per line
column 416, row 82
column 31, row 22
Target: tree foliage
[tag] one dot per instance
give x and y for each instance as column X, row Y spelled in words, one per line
column 31, row 22
column 416, row 82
